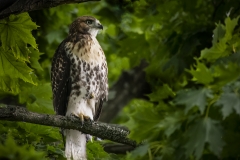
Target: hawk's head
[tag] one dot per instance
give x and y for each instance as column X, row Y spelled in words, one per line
column 85, row 25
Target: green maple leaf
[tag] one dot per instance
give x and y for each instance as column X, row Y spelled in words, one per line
column 16, row 33
column 37, row 98
column 96, row 151
column 147, row 119
column 9, row 85
column 171, row 122
column 143, row 120
column 216, row 51
column 201, row 74
column 204, row 131
column 11, row 70
column 224, row 74
column 218, row 33
column 36, row 130
column 34, row 56
column 222, row 35
column 162, row 92
column 229, row 102
column 14, row 68
column 193, row 97
column 230, row 25
column 138, row 152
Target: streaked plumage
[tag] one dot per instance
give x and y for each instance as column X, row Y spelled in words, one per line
column 79, row 80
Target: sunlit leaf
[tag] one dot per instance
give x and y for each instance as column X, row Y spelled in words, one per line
column 34, row 57
column 230, row 25
column 11, row 70
column 16, row 33
column 9, row 85
column 222, row 34
column 201, row 74
column 226, row 73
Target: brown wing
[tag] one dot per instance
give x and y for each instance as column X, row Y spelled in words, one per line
column 60, row 74
column 103, row 77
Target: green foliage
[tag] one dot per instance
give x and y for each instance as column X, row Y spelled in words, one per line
column 192, row 98
column 11, row 71
column 138, row 153
column 34, row 56
column 162, row 92
column 95, row 151
column 194, row 81
column 229, row 100
column 202, row 74
column 222, row 41
column 19, row 72
column 193, row 53
column 148, row 118
column 205, row 131
column 11, row 151
column 12, row 30
column 14, row 51
column 37, row 98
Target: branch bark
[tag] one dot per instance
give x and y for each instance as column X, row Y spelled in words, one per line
column 98, row 129
column 19, row 6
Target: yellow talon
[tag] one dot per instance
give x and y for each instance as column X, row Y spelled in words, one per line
column 91, row 96
column 83, row 117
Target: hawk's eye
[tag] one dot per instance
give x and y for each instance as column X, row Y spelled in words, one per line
column 89, row 22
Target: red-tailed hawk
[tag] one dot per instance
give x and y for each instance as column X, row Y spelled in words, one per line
column 79, row 80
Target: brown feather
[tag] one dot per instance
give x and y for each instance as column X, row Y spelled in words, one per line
column 60, row 73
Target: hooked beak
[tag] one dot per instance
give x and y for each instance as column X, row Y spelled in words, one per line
column 99, row 26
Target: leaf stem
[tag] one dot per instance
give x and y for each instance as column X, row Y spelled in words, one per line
column 207, row 111
column 149, row 154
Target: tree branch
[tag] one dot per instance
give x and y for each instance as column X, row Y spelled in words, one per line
column 19, row 6
column 98, row 129
column 117, row 148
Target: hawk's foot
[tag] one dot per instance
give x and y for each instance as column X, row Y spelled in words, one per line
column 83, row 117
column 91, row 95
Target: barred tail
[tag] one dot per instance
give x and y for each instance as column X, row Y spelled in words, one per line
column 75, row 148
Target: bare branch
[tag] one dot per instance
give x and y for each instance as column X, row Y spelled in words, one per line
column 98, row 129
column 19, row 6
